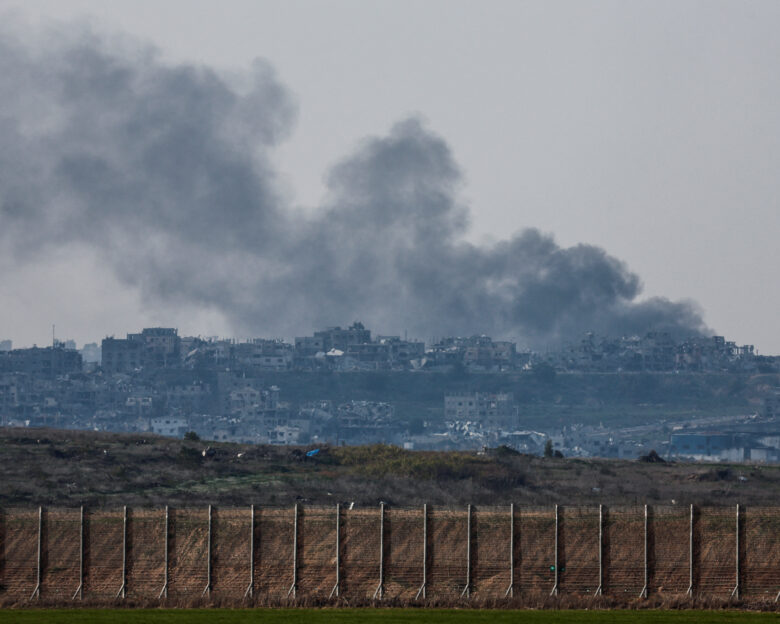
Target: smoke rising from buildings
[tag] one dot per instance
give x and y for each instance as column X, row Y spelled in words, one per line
column 165, row 170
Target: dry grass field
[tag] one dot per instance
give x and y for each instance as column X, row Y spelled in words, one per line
column 71, row 468
column 61, row 470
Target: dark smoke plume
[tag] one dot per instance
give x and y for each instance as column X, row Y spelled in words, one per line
column 164, row 170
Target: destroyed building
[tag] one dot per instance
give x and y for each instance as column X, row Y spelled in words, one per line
column 154, row 347
column 493, row 409
column 42, row 361
column 354, row 349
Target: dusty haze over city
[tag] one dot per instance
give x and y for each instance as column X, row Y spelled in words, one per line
column 527, row 170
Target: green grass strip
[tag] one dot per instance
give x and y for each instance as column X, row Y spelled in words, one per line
column 359, row 616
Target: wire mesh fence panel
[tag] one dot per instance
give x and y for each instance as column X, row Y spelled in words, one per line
column 490, row 551
column 146, row 552
column 403, row 552
column 624, row 551
column 447, row 550
column 670, row 549
column 402, row 571
column 360, row 552
column 760, row 552
column 317, row 551
column 104, row 533
column 578, row 549
column 61, row 553
column 535, row 557
column 715, row 544
column 188, row 552
column 19, row 555
column 231, row 532
column 274, row 552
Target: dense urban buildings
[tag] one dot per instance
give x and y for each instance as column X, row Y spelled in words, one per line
column 348, row 386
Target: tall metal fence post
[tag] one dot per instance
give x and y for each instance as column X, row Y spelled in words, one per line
column 164, row 590
column 381, row 587
column 423, row 587
column 600, row 588
column 735, row 593
column 510, row 591
column 690, row 556
column 123, row 589
column 643, row 593
column 39, row 572
column 554, row 591
column 207, row 589
column 336, row 587
column 467, row 589
column 80, row 589
column 294, row 587
column 250, row 590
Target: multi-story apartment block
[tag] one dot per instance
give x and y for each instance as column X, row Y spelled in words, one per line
column 44, row 362
column 488, row 408
column 154, row 347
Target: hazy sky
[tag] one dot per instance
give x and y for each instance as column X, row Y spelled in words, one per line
column 651, row 129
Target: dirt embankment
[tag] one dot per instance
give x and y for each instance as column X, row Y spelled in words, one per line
column 71, row 468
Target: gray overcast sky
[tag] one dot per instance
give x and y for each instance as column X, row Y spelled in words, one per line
column 651, row 129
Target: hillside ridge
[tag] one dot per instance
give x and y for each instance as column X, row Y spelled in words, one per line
column 71, row 468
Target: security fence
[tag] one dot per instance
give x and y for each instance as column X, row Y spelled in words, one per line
column 268, row 555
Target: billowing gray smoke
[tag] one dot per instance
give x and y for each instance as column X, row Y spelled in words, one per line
column 164, row 170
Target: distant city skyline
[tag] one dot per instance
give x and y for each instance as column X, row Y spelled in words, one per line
column 651, row 130
column 374, row 334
